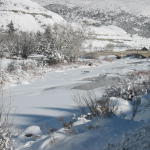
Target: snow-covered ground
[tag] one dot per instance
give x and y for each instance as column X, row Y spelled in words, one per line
column 138, row 140
column 26, row 15
column 42, row 99
column 137, row 7
column 114, row 38
column 45, row 103
column 20, row 71
column 123, row 24
column 31, row 17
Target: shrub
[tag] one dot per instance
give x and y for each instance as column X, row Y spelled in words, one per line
column 28, row 65
column 109, row 46
column 54, row 58
column 3, row 77
column 12, row 67
column 129, row 89
column 89, row 104
column 56, row 40
column 22, row 65
column 5, row 125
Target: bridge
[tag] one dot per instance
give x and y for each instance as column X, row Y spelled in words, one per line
column 125, row 53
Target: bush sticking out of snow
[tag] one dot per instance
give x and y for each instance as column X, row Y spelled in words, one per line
column 5, row 124
column 3, row 77
column 20, row 70
column 13, row 67
column 129, row 89
column 90, row 104
column 139, row 140
column 122, row 100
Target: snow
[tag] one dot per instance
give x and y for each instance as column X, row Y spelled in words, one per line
column 120, row 106
column 110, row 30
column 111, row 34
column 109, row 130
column 24, row 70
column 144, row 109
column 34, row 130
column 46, row 103
column 119, row 39
column 139, row 140
column 26, row 15
column 112, row 57
column 145, row 99
column 136, row 7
column 46, row 114
column 45, row 91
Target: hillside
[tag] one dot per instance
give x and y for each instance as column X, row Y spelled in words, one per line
column 136, row 7
column 26, row 15
column 132, row 16
column 74, row 75
column 121, row 24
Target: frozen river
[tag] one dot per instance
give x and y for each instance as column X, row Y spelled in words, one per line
column 43, row 101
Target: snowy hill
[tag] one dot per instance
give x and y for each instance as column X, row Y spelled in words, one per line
column 137, row 7
column 133, row 21
column 26, row 15
column 130, row 18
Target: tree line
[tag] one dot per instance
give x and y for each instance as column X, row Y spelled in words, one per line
column 56, row 43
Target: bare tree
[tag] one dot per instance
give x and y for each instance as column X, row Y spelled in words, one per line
column 5, row 123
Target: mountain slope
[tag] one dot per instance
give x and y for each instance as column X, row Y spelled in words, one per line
column 132, row 18
column 137, row 7
column 26, row 15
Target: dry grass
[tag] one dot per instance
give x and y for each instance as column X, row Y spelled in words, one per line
column 125, row 53
column 91, row 105
column 5, row 123
column 130, row 89
column 140, row 73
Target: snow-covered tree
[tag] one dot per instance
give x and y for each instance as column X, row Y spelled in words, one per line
column 11, row 28
column 26, row 44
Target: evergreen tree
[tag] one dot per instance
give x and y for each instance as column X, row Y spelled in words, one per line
column 11, row 28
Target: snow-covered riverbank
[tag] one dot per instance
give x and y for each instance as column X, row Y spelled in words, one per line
column 45, row 101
